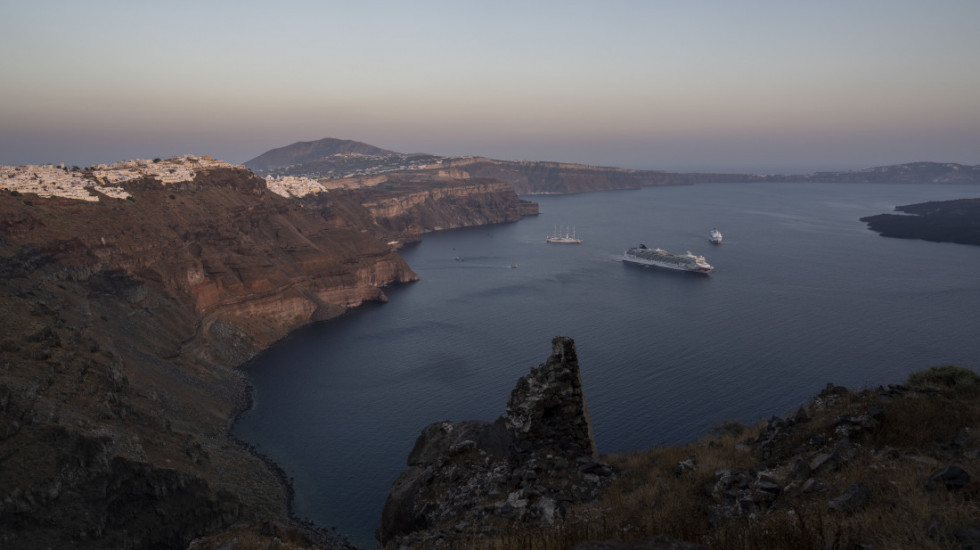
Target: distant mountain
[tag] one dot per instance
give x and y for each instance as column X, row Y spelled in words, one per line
column 913, row 172
column 306, row 152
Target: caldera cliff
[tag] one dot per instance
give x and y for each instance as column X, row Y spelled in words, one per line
column 123, row 321
column 538, row 177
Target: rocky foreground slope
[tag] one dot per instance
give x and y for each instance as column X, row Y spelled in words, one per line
column 122, row 322
column 891, row 467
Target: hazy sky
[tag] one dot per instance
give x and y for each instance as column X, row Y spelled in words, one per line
column 679, row 85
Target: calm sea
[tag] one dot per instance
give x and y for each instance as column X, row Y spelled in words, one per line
column 802, row 294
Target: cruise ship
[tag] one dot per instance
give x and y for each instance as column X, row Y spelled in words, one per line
column 661, row 258
column 714, row 236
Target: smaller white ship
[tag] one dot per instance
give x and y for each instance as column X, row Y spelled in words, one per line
column 567, row 238
column 714, row 236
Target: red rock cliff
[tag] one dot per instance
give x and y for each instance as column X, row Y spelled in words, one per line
column 239, row 253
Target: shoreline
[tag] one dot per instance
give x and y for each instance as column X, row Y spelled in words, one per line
column 317, row 534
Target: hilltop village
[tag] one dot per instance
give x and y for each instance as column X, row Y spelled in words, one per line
column 86, row 184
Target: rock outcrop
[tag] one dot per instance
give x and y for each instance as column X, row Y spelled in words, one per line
column 474, row 477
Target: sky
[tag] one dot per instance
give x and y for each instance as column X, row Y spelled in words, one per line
column 751, row 86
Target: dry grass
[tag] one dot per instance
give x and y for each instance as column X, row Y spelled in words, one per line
column 893, row 461
column 963, row 380
column 271, row 536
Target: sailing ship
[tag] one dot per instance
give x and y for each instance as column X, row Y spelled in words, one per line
column 566, row 238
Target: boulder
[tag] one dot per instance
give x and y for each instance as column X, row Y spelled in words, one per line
column 951, row 477
column 853, row 499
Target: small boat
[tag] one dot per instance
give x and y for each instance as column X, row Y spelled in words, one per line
column 714, row 236
column 563, row 239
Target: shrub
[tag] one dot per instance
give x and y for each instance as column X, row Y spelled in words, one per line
column 729, row 427
column 960, row 379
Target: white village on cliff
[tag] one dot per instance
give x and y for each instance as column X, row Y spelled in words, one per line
column 73, row 183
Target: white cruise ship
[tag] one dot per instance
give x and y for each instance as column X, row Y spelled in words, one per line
column 661, row 258
column 714, row 236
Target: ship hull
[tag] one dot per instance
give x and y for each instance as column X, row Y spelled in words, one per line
column 690, row 267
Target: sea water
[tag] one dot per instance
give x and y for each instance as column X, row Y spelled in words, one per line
column 802, row 294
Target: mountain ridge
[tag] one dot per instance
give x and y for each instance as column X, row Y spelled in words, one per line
column 344, row 159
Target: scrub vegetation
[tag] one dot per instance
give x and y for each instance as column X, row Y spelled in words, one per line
column 889, row 467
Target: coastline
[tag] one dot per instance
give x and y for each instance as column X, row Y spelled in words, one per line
column 317, row 534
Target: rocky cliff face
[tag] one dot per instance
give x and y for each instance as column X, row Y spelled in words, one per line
column 123, row 320
column 473, row 477
column 111, row 401
column 405, row 207
column 535, row 177
column 242, row 255
column 402, row 208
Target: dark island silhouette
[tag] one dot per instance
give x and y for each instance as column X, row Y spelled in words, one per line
column 956, row 221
